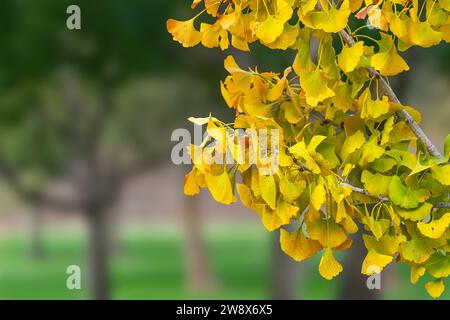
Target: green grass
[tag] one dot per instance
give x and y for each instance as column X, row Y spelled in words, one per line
column 151, row 265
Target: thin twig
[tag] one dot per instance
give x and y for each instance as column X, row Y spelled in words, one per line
column 364, row 191
column 442, row 205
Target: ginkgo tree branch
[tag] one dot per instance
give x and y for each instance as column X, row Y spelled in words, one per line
column 442, row 205
column 342, row 182
column 363, row 191
column 387, row 90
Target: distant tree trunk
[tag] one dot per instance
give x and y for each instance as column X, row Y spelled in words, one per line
column 114, row 244
column 284, row 272
column 98, row 254
column 355, row 283
column 36, row 241
column 199, row 273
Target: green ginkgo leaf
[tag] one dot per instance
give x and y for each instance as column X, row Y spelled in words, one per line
column 418, row 249
column 402, row 195
column 416, row 214
column 377, row 184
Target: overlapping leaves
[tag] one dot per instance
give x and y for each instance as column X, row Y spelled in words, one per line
column 346, row 160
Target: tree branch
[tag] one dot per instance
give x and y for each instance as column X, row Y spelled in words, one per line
column 365, row 192
column 387, row 90
column 442, row 205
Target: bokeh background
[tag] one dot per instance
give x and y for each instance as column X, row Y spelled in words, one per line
column 85, row 172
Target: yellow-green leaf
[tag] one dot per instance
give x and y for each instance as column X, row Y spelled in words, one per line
column 329, row 267
column 268, row 190
column 297, row 246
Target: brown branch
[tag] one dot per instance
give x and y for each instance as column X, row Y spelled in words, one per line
column 362, row 191
column 387, row 90
column 442, row 205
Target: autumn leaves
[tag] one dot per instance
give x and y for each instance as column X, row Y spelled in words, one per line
column 346, row 159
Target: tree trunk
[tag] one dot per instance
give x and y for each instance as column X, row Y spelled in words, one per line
column 36, row 241
column 98, row 255
column 199, row 274
column 355, row 283
column 284, row 272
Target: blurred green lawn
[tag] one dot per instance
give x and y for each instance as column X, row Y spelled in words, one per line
column 151, row 265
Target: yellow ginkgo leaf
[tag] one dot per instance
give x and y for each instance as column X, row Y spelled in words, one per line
column 268, row 190
column 386, row 245
column 378, row 227
column 332, row 20
column 420, row 167
column 329, row 267
column 190, row 185
column 349, row 57
column 316, row 88
column 239, row 43
column 399, row 26
column 276, row 91
column 377, row 184
column 270, row 29
column 303, row 63
column 232, row 67
column 373, row 109
column 283, row 10
column 418, row 249
column 195, row 3
column 300, row 150
column 270, row 219
column 377, row 18
column 383, row 164
column 389, row 62
column 349, row 225
column 421, row 34
column 212, row 6
column 286, row 211
column 291, row 190
column 318, row 197
column 416, row 273
column 370, row 152
column 417, row 214
column 435, row 288
column 220, row 187
column 352, row 143
column 374, row 262
column 245, row 195
column 286, row 39
column 445, row 4
column 327, row 232
column 214, row 36
column 203, row 121
column 436, row 228
column 184, row 32
column 442, row 174
column 297, row 246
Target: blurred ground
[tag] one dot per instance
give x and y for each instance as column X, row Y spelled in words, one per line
column 149, row 261
column 151, row 266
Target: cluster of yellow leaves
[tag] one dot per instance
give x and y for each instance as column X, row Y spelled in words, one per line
column 347, row 162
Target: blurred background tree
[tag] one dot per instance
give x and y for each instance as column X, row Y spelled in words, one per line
column 63, row 114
